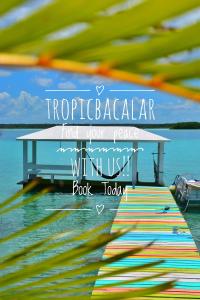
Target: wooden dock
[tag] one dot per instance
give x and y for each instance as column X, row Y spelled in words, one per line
column 173, row 243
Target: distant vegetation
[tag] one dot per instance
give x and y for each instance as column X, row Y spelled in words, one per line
column 28, row 126
column 186, row 125
column 181, row 125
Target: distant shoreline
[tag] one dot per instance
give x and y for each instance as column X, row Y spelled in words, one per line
column 180, row 125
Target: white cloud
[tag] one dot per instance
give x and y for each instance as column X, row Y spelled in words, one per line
column 13, row 113
column 43, row 81
column 30, row 99
column 95, row 80
column 23, row 108
column 4, row 95
column 66, row 85
column 177, row 105
column 5, row 73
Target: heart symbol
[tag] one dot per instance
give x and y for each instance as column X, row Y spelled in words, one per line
column 99, row 208
column 99, row 89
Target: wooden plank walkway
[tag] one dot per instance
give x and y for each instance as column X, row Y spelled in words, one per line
column 144, row 206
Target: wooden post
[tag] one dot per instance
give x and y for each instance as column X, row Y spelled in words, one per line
column 25, row 161
column 34, row 155
column 83, row 155
column 79, row 161
column 160, row 163
column 134, row 164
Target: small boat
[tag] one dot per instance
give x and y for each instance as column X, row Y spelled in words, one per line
column 186, row 189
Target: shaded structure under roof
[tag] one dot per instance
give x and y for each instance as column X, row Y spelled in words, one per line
column 96, row 133
column 82, row 135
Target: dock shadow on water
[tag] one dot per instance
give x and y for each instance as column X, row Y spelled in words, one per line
column 192, row 219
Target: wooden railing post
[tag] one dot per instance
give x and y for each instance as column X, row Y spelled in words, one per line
column 25, row 161
column 79, row 161
column 160, row 163
column 34, row 155
column 83, row 154
column 134, row 164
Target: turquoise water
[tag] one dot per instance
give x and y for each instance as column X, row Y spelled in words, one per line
column 181, row 157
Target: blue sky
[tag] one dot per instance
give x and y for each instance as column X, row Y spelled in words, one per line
column 22, row 91
column 22, row 96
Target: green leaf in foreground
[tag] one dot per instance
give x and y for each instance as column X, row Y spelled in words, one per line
column 69, row 263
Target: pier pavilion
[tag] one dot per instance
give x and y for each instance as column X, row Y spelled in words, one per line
column 83, row 135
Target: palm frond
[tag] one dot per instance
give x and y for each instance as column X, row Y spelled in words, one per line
column 172, row 71
column 5, row 6
column 119, row 55
column 135, row 21
column 25, row 278
column 138, row 34
column 49, row 18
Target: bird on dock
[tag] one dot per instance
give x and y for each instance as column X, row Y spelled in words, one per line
column 164, row 210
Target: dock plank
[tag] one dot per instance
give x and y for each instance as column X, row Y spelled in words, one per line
column 144, row 206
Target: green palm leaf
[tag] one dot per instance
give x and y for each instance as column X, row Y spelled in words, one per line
column 54, row 16
column 121, row 26
column 110, row 39
column 18, row 267
column 172, row 71
column 168, row 43
column 5, row 6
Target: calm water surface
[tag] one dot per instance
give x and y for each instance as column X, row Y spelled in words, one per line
column 181, row 157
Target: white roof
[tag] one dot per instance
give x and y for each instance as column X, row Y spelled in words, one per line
column 94, row 133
